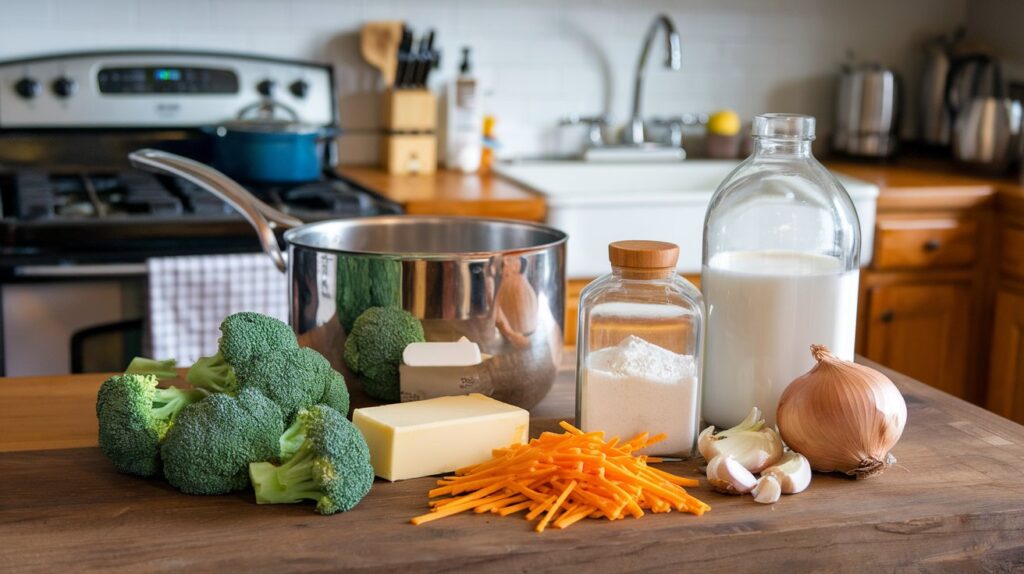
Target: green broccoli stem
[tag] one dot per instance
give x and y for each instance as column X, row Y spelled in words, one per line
column 162, row 370
column 167, row 403
column 292, row 439
column 213, row 374
column 288, row 483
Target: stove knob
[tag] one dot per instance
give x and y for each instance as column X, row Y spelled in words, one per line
column 299, row 88
column 265, row 87
column 64, row 87
column 27, row 88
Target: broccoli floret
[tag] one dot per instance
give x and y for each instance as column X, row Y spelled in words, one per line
column 212, row 442
column 363, row 283
column 162, row 370
column 134, row 417
column 295, row 379
column 335, row 393
column 243, row 336
column 330, row 465
column 374, row 348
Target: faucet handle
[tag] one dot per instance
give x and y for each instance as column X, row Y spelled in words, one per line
column 595, row 124
column 675, row 125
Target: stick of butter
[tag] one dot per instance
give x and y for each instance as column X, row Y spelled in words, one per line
column 409, row 440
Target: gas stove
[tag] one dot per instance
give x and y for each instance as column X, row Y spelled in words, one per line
column 67, row 193
column 125, row 216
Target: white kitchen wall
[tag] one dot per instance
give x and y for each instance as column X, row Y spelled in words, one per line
column 542, row 59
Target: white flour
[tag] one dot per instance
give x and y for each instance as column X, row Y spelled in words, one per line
column 638, row 387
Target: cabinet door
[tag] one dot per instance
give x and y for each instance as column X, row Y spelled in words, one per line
column 922, row 330
column 1006, row 370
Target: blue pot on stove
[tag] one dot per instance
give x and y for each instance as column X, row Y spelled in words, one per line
column 270, row 150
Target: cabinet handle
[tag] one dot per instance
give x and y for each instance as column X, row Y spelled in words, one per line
column 888, row 316
column 932, row 245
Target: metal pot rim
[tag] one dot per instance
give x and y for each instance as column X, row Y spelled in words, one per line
column 295, row 237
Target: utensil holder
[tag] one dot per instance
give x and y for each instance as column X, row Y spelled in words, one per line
column 409, row 118
column 411, row 110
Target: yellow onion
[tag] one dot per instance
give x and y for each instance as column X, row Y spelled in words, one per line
column 842, row 416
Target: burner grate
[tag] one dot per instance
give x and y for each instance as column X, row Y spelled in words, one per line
column 41, row 195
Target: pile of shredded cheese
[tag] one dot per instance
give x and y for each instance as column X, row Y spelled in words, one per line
column 560, row 479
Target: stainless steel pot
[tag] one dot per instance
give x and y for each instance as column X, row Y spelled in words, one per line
column 499, row 283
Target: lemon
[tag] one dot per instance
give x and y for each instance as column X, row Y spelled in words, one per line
column 724, row 123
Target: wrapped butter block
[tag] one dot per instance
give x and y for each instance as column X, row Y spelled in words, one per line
column 439, row 369
column 409, row 440
column 461, row 353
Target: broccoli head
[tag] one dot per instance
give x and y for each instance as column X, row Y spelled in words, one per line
column 134, row 416
column 325, row 460
column 374, row 348
column 335, row 393
column 243, row 336
column 162, row 370
column 212, row 442
column 293, row 378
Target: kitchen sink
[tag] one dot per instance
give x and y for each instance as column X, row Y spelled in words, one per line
column 600, row 203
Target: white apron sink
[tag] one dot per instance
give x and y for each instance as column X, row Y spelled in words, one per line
column 600, row 203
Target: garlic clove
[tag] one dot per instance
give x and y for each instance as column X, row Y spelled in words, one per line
column 753, row 444
column 728, row 476
column 793, row 472
column 767, row 490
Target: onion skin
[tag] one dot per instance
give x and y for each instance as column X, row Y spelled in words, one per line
column 842, row 416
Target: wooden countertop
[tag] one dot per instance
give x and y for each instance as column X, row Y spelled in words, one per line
column 915, row 183
column 955, row 502
column 452, row 193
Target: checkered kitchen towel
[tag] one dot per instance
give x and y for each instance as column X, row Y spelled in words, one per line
column 190, row 296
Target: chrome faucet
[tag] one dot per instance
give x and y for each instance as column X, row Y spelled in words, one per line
column 634, row 132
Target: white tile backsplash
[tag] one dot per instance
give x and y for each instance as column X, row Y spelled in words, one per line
column 540, row 60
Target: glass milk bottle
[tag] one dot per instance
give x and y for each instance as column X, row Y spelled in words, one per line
column 781, row 253
column 639, row 348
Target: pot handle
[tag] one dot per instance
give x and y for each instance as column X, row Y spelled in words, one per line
column 268, row 106
column 263, row 218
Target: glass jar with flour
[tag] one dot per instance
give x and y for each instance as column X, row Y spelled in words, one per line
column 641, row 331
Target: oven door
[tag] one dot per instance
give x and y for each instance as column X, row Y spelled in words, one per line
column 71, row 318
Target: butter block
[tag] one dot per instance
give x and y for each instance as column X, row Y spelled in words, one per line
column 409, row 440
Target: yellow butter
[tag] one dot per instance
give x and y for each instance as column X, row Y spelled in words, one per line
column 409, row 440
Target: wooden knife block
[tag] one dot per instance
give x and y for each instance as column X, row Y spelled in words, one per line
column 409, row 144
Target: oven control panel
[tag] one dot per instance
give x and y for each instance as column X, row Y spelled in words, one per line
column 147, row 89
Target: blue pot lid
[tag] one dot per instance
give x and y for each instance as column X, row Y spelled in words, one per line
column 270, row 126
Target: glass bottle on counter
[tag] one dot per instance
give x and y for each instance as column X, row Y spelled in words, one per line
column 781, row 253
column 639, row 346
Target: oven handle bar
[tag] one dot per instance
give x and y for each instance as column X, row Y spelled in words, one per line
column 97, row 270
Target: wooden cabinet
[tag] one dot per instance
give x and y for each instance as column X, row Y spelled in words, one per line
column 1006, row 367
column 911, row 241
column 922, row 330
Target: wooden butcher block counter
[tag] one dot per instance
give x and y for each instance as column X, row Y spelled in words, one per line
column 954, row 502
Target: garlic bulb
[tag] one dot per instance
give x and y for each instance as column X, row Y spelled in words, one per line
column 793, row 472
column 751, row 443
column 842, row 416
column 728, row 476
column 767, row 490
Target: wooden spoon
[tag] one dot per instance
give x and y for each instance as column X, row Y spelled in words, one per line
column 378, row 43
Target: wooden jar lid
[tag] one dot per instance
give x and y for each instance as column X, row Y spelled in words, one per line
column 643, row 255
